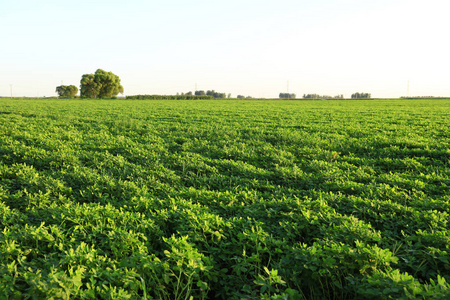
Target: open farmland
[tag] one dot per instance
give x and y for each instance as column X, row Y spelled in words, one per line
column 224, row 199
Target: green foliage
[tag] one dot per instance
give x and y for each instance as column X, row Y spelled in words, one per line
column 89, row 87
column 224, row 199
column 65, row 91
column 395, row 285
column 102, row 84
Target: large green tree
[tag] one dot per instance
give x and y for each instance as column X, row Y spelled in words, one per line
column 89, row 88
column 101, row 84
column 66, row 91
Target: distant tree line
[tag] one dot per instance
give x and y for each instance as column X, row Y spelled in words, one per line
column 361, row 96
column 287, row 96
column 213, row 93
column 317, row 96
column 104, row 84
column 170, row 97
column 67, row 91
column 421, row 97
column 197, row 95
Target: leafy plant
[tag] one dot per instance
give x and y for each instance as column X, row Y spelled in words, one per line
column 159, row 199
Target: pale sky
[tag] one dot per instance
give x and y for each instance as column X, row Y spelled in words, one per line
column 245, row 47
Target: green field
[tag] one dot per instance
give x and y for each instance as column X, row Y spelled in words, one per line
column 227, row 199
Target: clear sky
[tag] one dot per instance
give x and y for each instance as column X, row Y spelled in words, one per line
column 247, row 47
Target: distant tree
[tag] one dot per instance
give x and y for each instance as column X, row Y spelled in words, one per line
column 361, row 96
column 216, row 94
column 311, row 96
column 188, row 94
column 60, row 90
column 240, row 97
column 219, row 95
column 212, row 93
column 229, row 95
column 102, row 84
column 287, row 96
column 66, row 91
column 316, row 96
